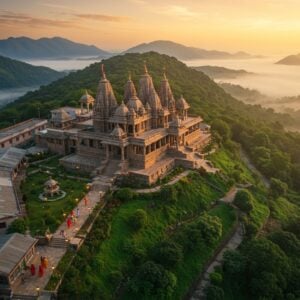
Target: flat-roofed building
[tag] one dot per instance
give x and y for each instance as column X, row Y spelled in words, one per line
column 20, row 133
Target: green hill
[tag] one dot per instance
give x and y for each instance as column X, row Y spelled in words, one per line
column 15, row 74
column 205, row 95
column 216, row 72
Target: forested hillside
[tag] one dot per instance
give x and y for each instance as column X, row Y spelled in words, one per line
column 258, row 131
column 15, row 74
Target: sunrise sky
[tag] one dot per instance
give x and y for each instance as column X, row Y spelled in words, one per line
column 256, row 26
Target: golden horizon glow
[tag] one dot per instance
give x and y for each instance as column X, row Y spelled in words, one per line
column 255, row 26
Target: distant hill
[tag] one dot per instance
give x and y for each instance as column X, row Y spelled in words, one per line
column 221, row 72
column 185, row 53
column 46, row 48
column 16, row 74
column 244, row 94
column 293, row 60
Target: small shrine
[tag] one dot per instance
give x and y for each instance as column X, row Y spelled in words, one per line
column 51, row 187
column 52, row 191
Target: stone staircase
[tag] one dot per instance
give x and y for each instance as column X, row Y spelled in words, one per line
column 57, row 242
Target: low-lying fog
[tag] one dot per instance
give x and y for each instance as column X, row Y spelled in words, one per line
column 64, row 65
column 9, row 95
column 270, row 79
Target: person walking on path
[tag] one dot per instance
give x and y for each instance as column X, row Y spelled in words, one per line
column 77, row 212
column 69, row 223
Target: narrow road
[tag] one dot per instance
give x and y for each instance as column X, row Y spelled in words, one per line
column 251, row 166
column 232, row 243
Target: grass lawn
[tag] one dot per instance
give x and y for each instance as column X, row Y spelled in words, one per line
column 43, row 215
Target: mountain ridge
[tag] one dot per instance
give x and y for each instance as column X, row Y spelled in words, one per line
column 291, row 60
column 184, row 52
column 55, row 47
column 17, row 74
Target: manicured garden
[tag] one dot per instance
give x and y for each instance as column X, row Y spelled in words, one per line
column 43, row 215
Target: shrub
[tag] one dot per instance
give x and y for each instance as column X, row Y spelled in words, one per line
column 244, row 201
column 167, row 253
column 216, row 278
column 168, row 193
column 125, row 194
column 18, row 225
column 278, row 188
column 153, row 281
column 214, row 293
column 138, row 219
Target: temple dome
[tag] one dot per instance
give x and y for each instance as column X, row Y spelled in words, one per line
column 50, row 182
column 176, row 123
column 122, row 110
column 146, row 85
column 135, row 103
column 165, row 93
column 130, row 90
column 182, row 104
column 117, row 132
column 86, row 98
column 154, row 100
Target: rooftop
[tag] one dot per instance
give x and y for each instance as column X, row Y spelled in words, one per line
column 13, row 247
column 19, row 127
column 8, row 202
column 11, row 157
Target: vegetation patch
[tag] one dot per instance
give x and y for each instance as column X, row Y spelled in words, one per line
column 116, row 251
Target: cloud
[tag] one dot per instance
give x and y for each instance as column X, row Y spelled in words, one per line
column 12, row 18
column 103, row 18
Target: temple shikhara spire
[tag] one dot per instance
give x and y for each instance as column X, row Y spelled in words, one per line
column 144, row 136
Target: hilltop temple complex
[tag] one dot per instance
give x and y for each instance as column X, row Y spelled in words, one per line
column 144, row 137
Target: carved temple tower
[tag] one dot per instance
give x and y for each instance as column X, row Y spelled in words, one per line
column 105, row 104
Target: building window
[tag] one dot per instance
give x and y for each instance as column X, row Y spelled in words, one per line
column 2, row 225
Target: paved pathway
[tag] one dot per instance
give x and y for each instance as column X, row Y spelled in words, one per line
column 157, row 188
column 54, row 254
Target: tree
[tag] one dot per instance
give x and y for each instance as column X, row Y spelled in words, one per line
column 167, row 253
column 214, row 293
column 153, row 281
column 138, row 219
column 221, row 128
column 278, row 188
column 18, row 225
column 266, row 265
column 210, row 228
column 287, row 241
column 234, row 264
column 244, row 201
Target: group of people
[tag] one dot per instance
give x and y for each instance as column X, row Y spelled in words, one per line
column 41, row 268
column 71, row 220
